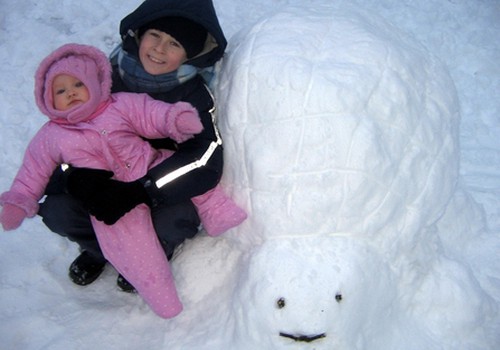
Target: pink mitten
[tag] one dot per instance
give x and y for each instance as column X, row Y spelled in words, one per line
column 186, row 121
column 11, row 216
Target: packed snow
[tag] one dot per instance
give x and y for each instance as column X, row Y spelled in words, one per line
column 361, row 137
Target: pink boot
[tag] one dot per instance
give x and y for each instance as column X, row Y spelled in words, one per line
column 218, row 213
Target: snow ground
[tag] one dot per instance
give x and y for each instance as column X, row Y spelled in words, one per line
column 42, row 309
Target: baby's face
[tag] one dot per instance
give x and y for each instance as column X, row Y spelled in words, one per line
column 68, row 92
column 160, row 53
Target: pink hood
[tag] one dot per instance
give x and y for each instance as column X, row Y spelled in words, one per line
column 84, row 62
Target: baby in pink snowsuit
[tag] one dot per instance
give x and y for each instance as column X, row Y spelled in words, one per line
column 92, row 128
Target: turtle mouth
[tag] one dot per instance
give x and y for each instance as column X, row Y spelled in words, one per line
column 303, row 338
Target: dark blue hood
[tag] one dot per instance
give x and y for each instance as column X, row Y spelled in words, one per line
column 199, row 11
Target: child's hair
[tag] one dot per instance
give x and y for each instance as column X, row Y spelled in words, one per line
column 189, row 34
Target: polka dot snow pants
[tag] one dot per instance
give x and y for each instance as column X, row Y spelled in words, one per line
column 132, row 247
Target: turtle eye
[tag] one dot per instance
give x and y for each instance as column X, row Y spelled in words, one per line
column 280, row 303
column 338, row 297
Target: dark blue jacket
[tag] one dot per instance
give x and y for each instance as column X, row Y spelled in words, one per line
column 194, row 91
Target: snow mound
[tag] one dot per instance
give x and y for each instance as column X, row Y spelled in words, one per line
column 331, row 109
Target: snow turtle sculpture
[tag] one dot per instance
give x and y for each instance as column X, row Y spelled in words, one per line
column 338, row 128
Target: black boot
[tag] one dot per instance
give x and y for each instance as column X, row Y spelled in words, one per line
column 85, row 269
column 124, row 285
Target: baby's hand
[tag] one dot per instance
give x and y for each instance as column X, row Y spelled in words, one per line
column 11, row 216
column 186, row 121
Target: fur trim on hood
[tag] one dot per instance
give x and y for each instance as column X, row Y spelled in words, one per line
column 89, row 65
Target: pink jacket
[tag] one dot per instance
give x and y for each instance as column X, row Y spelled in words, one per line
column 101, row 134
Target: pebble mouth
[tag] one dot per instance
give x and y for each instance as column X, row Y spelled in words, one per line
column 304, row 338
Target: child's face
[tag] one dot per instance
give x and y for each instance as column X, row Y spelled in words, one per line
column 160, row 53
column 68, row 92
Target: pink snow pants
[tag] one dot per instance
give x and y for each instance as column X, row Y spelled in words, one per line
column 132, row 247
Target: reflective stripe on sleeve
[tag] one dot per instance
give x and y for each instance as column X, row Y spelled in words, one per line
column 196, row 164
column 189, row 167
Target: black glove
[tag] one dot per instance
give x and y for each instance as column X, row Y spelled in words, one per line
column 117, row 198
column 83, row 183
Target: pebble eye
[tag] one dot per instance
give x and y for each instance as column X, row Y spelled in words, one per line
column 280, row 303
column 338, row 297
